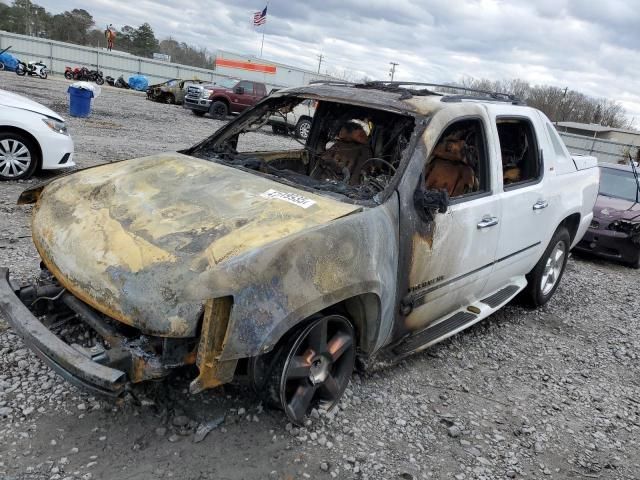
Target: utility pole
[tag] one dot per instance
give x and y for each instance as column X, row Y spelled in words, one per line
column 319, row 61
column 392, row 72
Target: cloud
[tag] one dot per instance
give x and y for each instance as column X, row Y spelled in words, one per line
column 584, row 45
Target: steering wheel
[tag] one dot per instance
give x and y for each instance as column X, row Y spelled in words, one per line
column 376, row 182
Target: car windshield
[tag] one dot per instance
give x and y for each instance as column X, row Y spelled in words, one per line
column 227, row 82
column 618, row 183
column 349, row 150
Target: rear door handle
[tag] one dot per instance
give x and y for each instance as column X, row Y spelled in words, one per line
column 488, row 222
column 540, row 204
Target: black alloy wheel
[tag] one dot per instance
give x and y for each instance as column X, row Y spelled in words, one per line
column 315, row 367
column 219, row 110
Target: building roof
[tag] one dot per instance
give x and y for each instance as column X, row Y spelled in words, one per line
column 594, row 127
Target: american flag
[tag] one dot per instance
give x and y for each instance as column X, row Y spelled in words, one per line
column 260, row 18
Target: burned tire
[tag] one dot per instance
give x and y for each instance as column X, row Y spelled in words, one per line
column 545, row 277
column 18, row 156
column 302, row 128
column 198, row 113
column 311, row 369
column 219, row 110
column 169, row 99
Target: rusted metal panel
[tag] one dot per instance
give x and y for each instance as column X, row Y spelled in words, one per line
column 215, row 321
column 127, row 237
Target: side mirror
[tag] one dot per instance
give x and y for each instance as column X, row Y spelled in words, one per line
column 239, row 90
column 430, row 202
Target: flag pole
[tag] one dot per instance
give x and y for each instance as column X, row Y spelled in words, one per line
column 264, row 27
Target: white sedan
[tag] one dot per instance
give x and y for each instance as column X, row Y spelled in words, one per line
column 32, row 137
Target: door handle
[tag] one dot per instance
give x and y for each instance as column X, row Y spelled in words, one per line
column 488, row 222
column 540, row 204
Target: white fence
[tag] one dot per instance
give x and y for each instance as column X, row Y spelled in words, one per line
column 604, row 150
column 58, row 55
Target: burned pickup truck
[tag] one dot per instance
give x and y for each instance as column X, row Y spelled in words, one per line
column 406, row 216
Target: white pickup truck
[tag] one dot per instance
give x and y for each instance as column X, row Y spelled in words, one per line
column 405, row 216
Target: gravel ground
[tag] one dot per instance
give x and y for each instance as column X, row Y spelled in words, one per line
column 552, row 393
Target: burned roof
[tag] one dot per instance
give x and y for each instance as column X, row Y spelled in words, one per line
column 383, row 100
column 401, row 97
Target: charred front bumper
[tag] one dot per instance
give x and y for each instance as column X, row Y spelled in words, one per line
column 123, row 356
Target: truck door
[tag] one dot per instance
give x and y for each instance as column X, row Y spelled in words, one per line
column 452, row 257
column 246, row 98
column 528, row 221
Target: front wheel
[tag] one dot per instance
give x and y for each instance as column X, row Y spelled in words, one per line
column 68, row 75
column 219, row 110
column 43, row 73
column 313, row 367
column 21, row 69
column 545, row 277
column 99, row 80
column 18, row 157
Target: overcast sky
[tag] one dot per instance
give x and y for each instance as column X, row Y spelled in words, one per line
column 587, row 45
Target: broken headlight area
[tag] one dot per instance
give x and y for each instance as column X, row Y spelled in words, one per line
column 352, row 151
column 625, row 226
column 102, row 340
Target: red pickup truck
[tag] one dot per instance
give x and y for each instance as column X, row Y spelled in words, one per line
column 224, row 97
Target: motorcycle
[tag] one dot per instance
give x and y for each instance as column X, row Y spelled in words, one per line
column 121, row 83
column 32, row 69
column 71, row 73
column 85, row 74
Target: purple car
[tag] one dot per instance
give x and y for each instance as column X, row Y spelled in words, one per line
column 615, row 230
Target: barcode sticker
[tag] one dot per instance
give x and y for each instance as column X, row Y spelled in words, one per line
column 293, row 198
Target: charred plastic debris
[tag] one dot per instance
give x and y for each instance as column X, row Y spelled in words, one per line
column 127, row 355
column 352, row 151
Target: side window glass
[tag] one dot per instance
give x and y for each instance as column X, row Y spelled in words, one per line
column 248, row 87
column 519, row 151
column 458, row 162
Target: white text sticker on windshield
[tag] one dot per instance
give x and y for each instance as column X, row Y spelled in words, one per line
column 294, row 198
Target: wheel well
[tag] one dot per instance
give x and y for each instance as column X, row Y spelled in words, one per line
column 221, row 99
column 24, row 133
column 572, row 222
column 364, row 311
column 305, row 117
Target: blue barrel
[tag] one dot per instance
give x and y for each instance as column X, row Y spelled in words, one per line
column 79, row 101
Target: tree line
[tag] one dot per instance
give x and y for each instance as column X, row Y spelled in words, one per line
column 78, row 26
column 559, row 104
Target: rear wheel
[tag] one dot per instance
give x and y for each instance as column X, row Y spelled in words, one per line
column 18, row 156
column 312, row 369
column 219, row 110
column 168, row 98
column 545, row 277
column 302, row 128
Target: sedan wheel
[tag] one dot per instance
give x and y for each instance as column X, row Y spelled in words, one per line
column 17, row 157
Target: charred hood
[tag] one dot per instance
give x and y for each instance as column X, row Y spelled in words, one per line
column 125, row 237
